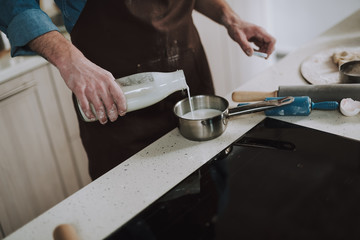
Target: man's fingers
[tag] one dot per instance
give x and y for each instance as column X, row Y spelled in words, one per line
column 264, row 41
column 85, row 107
column 99, row 108
column 93, row 102
column 103, row 109
column 110, row 106
column 242, row 40
column 119, row 99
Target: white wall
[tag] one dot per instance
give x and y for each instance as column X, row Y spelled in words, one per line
column 229, row 65
column 296, row 22
column 292, row 22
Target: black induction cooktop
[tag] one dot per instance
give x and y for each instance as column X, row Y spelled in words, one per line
column 277, row 181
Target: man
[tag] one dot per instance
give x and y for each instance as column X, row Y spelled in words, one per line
column 116, row 38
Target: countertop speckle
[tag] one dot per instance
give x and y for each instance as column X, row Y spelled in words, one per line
column 110, row 201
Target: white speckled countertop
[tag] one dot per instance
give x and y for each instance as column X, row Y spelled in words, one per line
column 107, row 203
column 13, row 67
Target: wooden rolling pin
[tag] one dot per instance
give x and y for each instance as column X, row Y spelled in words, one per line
column 65, row 232
column 318, row 93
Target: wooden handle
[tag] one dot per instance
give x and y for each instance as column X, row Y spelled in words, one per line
column 65, row 232
column 247, row 96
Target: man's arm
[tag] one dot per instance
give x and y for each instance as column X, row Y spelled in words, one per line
column 23, row 21
column 89, row 82
column 31, row 31
column 239, row 30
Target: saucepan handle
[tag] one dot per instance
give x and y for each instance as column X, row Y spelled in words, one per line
column 259, row 106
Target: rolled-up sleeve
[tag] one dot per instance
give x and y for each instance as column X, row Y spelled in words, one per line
column 23, row 21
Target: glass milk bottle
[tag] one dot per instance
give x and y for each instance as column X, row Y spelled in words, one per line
column 145, row 89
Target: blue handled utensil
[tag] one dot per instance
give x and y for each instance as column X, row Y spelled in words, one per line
column 301, row 106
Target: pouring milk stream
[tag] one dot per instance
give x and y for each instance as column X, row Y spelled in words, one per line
column 145, row 89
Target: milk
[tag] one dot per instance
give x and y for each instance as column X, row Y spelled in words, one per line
column 190, row 102
column 201, row 114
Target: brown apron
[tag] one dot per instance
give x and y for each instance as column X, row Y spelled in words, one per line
column 131, row 36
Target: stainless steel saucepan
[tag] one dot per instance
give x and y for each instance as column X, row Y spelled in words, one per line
column 350, row 72
column 201, row 127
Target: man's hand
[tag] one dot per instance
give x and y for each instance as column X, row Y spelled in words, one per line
column 90, row 83
column 242, row 32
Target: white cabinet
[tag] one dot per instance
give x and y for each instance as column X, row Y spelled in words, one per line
column 72, row 129
column 41, row 157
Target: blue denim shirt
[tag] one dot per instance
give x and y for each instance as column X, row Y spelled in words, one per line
column 23, row 21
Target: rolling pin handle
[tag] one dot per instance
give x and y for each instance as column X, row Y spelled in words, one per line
column 249, row 96
column 65, row 232
column 328, row 105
